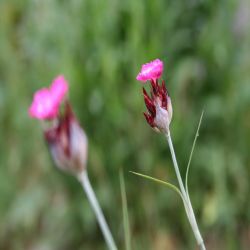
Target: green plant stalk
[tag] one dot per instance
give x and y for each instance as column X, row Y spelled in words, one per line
column 187, row 203
column 125, row 212
column 84, row 180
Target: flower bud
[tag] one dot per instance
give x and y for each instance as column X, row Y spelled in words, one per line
column 68, row 143
column 159, row 107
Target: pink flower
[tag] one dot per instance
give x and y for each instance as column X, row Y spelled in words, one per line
column 46, row 101
column 159, row 107
column 150, row 71
column 59, row 88
column 43, row 105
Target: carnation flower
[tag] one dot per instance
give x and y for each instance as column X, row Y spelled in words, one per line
column 158, row 104
column 66, row 139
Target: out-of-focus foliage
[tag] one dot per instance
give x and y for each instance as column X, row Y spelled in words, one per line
column 99, row 46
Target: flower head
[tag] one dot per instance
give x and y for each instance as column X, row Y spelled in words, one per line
column 152, row 70
column 68, row 143
column 46, row 101
column 159, row 107
column 66, row 139
column 158, row 104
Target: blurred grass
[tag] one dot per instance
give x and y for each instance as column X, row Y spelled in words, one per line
column 126, row 224
column 99, row 46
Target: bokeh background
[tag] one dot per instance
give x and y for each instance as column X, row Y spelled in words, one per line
column 99, row 46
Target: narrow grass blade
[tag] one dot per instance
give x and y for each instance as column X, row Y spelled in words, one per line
column 169, row 185
column 191, row 153
column 127, row 234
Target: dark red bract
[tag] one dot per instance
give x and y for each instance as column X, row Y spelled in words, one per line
column 67, row 142
column 159, row 96
column 61, row 133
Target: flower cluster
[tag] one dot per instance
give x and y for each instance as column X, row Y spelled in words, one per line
column 158, row 103
column 66, row 139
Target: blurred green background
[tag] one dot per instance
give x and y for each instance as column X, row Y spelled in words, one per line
column 99, row 46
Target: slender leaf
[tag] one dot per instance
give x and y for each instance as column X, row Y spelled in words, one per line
column 169, row 185
column 191, row 153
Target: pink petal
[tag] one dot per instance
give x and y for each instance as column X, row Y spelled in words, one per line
column 59, row 88
column 43, row 105
column 152, row 70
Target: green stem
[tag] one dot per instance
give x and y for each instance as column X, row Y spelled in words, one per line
column 188, row 206
column 84, row 180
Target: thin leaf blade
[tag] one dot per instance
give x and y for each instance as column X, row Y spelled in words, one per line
column 191, row 153
column 169, row 185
